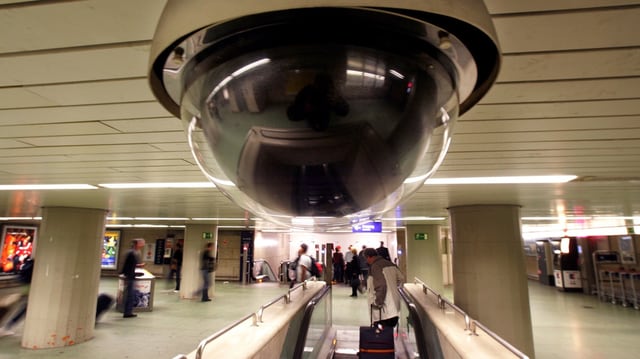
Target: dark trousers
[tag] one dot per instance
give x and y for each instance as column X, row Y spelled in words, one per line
column 365, row 275
column 206, row 283
column 129, row 296
column 337, row 273
column 355, row 283
column 178, row 270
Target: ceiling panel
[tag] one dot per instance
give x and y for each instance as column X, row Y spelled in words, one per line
column 75, row 107
column 565, row 31
column 128, row 90
column 147, row 124
column 568, row 90
column 82, row 113
column 583, row 64
column 112, row 61
column 524, row 6
column 58, row 129
column 114, row 21
column 554, row 109
column 146, row 137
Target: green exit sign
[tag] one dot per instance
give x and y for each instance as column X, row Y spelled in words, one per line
column 420, row 236
column 207, row 235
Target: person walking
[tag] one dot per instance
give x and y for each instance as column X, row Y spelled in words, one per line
column 207, row 263
column 348, row 255
column 303, row 270
column 383, row 296
column 364, row 267
column 338, row 265
column 131, row 262
column 353, row 268
column 383, row 251
column 176, row 262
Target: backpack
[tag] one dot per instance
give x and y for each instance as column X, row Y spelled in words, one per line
column 316, row 268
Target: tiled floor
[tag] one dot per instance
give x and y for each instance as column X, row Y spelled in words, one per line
column 566, row 325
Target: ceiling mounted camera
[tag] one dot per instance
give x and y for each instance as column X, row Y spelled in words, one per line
column 333, row 111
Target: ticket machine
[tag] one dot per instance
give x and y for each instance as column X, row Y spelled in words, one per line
column 566, row 264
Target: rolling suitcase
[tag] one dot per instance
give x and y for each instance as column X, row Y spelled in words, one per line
column 376, row 342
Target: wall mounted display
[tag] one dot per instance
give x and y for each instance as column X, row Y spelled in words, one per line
column 17, row 245
column 627, row 250
column 110, row 249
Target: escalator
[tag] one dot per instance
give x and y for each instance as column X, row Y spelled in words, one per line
column 299, row 325
column 262, row 271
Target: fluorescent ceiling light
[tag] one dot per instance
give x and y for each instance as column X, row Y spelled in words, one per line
column 159, row 185
column 415, row 218
column 19, row 218
column 217, row 219
column 502, row 180
column 160, row 219
column 579, row 218
column 36, row 187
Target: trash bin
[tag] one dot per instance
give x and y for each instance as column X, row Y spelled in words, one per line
column 143, row 287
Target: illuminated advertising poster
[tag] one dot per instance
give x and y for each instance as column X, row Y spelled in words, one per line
column 110, row 249
column 17, row 246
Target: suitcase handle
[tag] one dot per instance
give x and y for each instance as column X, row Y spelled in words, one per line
column 379, row 315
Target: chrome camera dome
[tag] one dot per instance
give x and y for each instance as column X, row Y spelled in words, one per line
column 320, row 116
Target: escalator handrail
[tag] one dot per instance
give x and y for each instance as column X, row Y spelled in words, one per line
column 306, row 321
column 417, row 324
column 257, row 317
column 470, row 323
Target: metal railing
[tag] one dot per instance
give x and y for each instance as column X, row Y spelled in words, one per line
column 306, row 321
column 256, row 316
column 417, row 324
column 470, row 324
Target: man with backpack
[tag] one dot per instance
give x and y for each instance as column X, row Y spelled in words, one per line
column 303, row 270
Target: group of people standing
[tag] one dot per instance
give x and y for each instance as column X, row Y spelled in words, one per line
column 351, row 268
column 371, row 269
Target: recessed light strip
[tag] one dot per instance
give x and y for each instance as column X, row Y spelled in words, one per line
column 158, row 185
column 502, row 180
column 38, row 187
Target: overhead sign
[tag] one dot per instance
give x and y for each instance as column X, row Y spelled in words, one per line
column 369, row 227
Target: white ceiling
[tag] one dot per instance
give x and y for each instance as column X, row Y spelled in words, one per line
column 75, row 107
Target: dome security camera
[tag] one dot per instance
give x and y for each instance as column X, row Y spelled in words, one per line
column 330, row 111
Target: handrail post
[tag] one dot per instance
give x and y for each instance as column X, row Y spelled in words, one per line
column 259, row 314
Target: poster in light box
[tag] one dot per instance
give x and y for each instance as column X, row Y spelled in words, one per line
column 17, row 246
column 110, row 249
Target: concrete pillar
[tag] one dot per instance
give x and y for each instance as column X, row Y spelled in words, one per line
column 489, row 274
column 62, row 301
column 194, row 242
column 423, row 255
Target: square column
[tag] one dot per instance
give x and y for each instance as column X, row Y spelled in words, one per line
column 489, row 273
column 193, row 246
